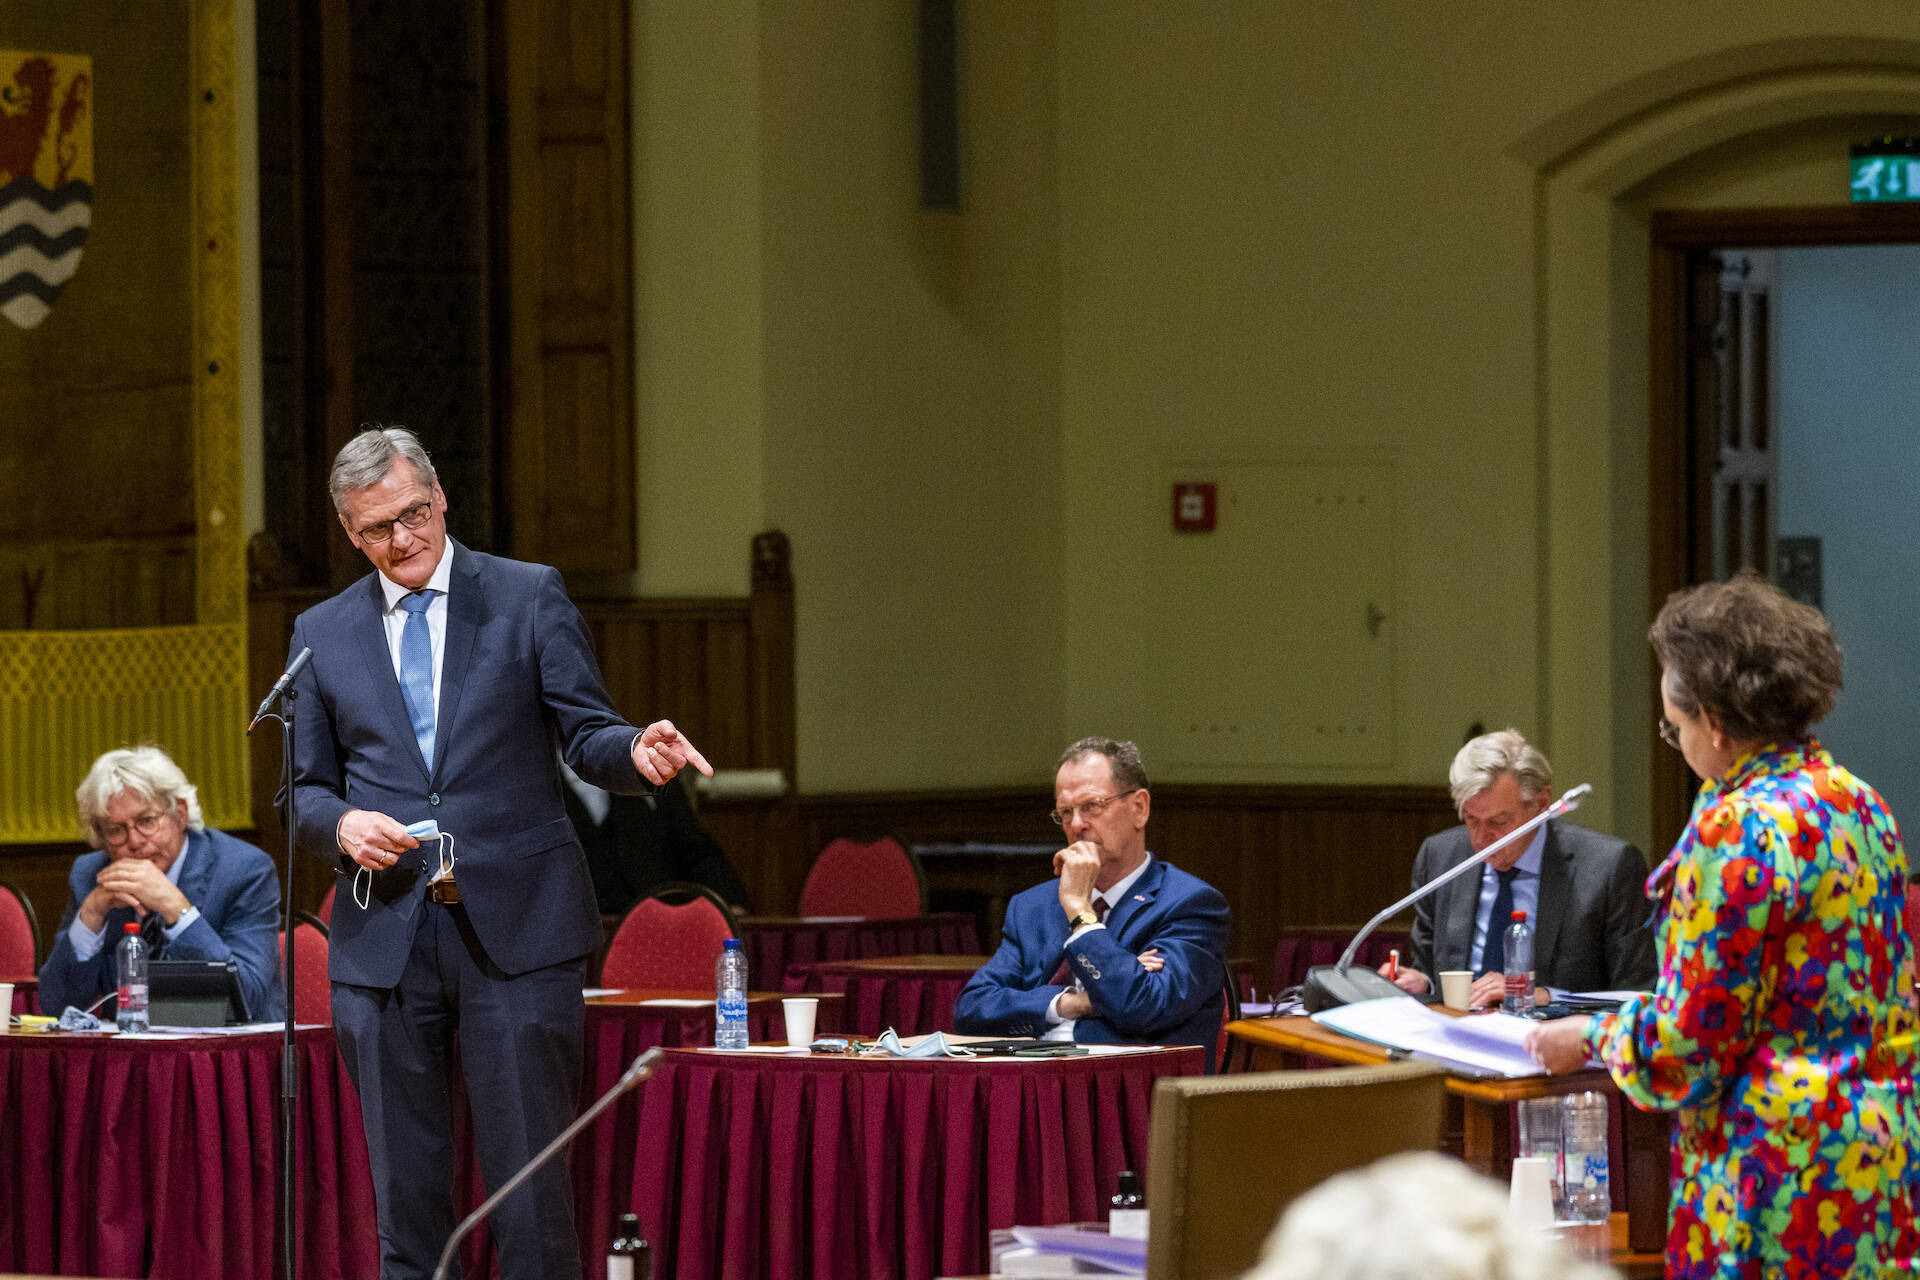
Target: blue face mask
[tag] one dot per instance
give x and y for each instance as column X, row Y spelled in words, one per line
column 426, row 831
column 934, row 1046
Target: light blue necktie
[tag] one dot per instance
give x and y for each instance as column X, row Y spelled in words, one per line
column 416, row 670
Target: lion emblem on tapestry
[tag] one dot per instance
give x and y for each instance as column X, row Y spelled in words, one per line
column 46, row 177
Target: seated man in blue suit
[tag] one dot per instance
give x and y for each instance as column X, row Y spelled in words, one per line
column 200, row 894
column 1124, row 948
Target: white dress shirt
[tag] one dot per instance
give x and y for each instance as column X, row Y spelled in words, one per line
column 395, row 618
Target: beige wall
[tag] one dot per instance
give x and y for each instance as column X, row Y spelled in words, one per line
column 1420, row 238
column 1229, row 234
column 879, row 382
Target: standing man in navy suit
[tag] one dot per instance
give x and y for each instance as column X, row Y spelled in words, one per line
column 439, row 689
column 1125, row 948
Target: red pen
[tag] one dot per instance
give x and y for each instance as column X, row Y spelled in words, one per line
column 1393, row 966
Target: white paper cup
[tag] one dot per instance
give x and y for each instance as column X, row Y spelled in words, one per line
column 1530, row 1203
column 6, row 1007
column 1456, row 987
column 799, row 1013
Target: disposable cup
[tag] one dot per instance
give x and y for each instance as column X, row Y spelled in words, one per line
column 1540, row 1123
column 1456, row 987
column 6, row 1007
column 800, row 1012
column 1530, row 1206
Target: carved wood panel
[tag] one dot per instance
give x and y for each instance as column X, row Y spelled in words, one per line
column 569, row 284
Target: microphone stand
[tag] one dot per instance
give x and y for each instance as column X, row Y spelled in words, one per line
column 1328, row 986
column 289, row 1061
column 642, row 1068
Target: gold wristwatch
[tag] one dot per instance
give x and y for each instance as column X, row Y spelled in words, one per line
column 1082, row 919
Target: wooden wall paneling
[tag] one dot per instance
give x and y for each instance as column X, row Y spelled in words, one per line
column 569, row 259
column 327, row 328
column 680, row 671
column 725, row 666
column 82, row 585
column 770, row 656
column 1283, row 855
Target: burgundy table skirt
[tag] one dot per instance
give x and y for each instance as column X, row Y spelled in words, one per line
column 158, row 1158
column 602, row 1157
column 1302, row 947
column 765, row 1166
column 911, row 1000
column 772, row 943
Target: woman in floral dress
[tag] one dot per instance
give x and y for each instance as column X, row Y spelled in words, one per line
column 1781, row 1029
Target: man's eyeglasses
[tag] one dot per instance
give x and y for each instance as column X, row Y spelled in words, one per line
column 1670, row 733
column 1089, row 809
column 112, row 833
column 413, row 517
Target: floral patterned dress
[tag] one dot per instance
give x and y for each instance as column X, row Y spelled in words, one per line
column 1780, row 1028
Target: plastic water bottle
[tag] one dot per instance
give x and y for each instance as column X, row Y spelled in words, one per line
column 1127, row 1218
column 730, row 997
column 130, row 1007
column 1519, row 973
column 628, row 1257
column 1585, row 1144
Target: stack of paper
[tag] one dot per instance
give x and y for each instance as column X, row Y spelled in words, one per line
column 1068, row 1251
column 1491, row 1044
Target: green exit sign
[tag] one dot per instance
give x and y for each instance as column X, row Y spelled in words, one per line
column 1885, row 172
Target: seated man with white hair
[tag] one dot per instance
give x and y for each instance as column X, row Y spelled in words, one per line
column 1584, row 893
column 197, row 893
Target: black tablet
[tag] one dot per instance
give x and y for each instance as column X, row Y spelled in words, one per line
column 194, row 993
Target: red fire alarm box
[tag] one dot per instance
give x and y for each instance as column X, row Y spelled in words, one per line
column 1195, row 507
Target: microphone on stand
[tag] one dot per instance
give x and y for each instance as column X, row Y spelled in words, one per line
column 1330, row 985
column 642, row 1068
column 300, row 660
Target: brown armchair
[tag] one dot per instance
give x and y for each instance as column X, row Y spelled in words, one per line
column 1227, row 1153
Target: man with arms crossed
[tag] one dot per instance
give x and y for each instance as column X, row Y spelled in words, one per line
column 1125, row 948
column 1584, row 893
column 439, row 688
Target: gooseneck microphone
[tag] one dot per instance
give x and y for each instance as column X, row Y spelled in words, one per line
column 642, row 1068
column 1331, row 985
column 294, row 668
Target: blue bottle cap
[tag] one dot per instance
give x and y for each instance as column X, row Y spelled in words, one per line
column 731, row 944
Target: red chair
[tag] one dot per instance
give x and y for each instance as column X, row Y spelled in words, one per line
column 312, row 993
column 669, row 939
column 326, row 907
column 879, row 880
column 19, row 934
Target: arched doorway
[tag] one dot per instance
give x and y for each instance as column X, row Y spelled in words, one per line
column 1609, row 481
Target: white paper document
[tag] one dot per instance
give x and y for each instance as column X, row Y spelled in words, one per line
column 1484, row 1044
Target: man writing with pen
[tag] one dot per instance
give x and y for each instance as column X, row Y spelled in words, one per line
column 1123, row 948
column 1583, row 892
